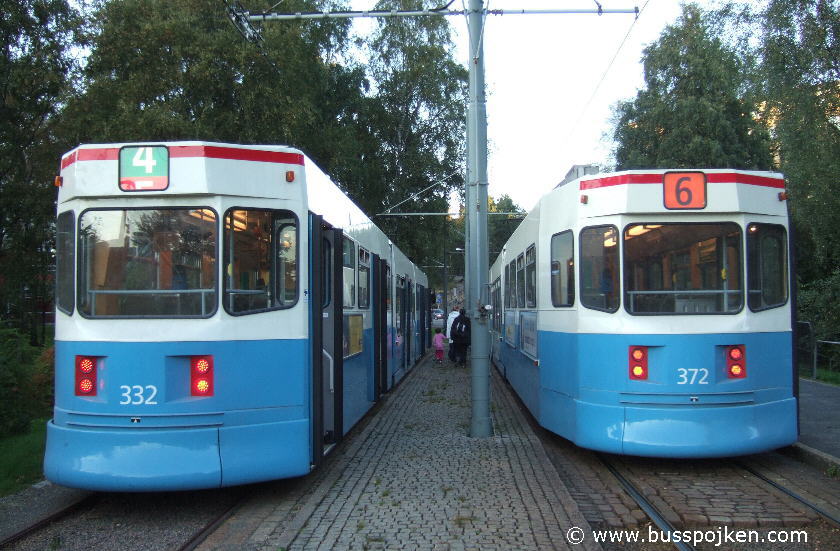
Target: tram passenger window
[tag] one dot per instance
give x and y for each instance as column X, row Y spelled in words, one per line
column 509, row 285
column 531, row 277
column 349, row 263
column 364, row 278
column 599, row 268
column 261, row 257
column 65, row 261
column 149, row 262
column 682, row 268
column 285, row 261
column 767, row 266
column 562, row 269
column 520, row 281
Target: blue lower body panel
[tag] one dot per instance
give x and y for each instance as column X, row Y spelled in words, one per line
column 717, row 431
column 182, row 459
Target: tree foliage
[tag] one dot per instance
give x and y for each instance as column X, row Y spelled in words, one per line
column 694, row 110
column 416, row 118
column 800, row 49
column 802, row 66
column 35, row 77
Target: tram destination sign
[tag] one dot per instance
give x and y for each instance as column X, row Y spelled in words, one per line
column 684, row 190
column 144, row 168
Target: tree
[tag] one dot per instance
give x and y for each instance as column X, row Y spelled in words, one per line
column 177, row 70
column 694, row 110
column 500, row 227
column 35, row 71
column 799, row 47
column 415, row 115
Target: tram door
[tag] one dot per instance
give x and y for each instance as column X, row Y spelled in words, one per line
column 409, row 323
column 380, row 324
column 326, row 288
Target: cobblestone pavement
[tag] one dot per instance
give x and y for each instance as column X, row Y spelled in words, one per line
column 712, row 493
column 413, row 479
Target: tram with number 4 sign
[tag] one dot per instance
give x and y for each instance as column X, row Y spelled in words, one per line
column 649, row 313
column 225, row 314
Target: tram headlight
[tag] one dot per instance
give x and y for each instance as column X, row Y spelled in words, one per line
column 85, row 376
column 638, row 367
column 201, row 375
column 736, row 361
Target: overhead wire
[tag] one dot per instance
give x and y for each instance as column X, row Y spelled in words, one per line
column 606, row 71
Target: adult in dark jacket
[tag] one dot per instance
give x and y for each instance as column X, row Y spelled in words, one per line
column 460, row 335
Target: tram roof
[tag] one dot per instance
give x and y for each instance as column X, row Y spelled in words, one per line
column 701, row 191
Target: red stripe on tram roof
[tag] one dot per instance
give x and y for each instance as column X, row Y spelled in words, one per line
column 185, row 151
column 711, row 177
column 235, row 153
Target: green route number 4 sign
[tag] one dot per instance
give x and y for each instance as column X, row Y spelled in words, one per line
column 144, row 168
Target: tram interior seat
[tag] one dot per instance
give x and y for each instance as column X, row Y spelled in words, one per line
column 696, row 305
column 653, row 304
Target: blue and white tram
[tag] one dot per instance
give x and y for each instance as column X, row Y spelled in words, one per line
column 225, row 314
column 648, row 313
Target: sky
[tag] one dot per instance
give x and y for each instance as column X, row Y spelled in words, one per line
column 549, row 91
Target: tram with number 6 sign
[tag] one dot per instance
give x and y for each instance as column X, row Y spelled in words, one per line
column 225, row 314
column 649, row 313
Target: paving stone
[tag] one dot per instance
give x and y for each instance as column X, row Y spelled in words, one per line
column 413, row 479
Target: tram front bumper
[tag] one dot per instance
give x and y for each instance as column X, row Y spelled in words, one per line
column 687, row 432
column 152, row 460
column 133, row 461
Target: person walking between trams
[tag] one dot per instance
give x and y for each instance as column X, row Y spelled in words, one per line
column 460, row 336
column 437, row 342
column 449, row 320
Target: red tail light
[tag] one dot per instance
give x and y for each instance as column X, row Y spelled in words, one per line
column 736, row 361
column 86, row 375
column 201, row 375
column 638, row 363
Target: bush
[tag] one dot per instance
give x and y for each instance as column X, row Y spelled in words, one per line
column 16, row 384
column 819, row 303
column 43, row 384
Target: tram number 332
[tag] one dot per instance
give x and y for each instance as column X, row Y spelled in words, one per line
column 690, row 376
column 137, row 394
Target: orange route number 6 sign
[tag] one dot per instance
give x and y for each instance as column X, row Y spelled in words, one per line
column 685, row 190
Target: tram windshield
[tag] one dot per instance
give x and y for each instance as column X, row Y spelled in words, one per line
column 149, row 262
column 683, row 268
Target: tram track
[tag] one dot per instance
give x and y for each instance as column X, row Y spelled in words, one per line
column 790, row 493
column 39, row 522
column 132, row 521
column 646, row 505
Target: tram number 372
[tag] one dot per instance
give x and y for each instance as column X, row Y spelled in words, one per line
column 690, row 376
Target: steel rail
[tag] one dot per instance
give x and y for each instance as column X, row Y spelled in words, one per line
column 89, row 499
column 790, row 493
column 650, row 510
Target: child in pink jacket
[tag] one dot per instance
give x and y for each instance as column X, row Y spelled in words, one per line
column 437, row 342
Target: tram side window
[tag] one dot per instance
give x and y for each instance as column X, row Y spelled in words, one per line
column 261, row 257
column 364, row 278
column 65, row 261
column 767, row 266
column 563, row 269
column 156, row 263
column 509, row 285
column 683, row 268
column 349, row 262
column 599, row 268
column 531, row 277
column 400, row 309
column 520, row 281
column 497, row 303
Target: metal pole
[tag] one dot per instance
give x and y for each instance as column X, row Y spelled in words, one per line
column 445, row 278
column 476, row 216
